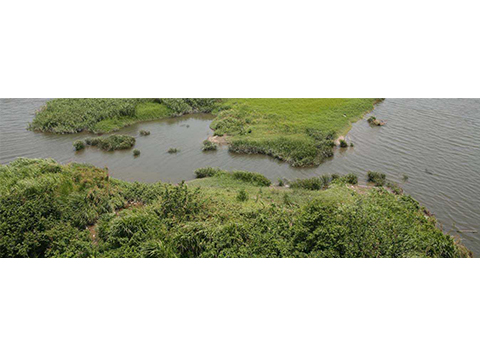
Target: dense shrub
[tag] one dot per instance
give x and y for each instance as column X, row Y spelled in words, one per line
column 207, row 172
column 144, row 132
column 251, row 178
column 316, row 183
column 136, row 152
column 351, row 178
column 377, row 178
column 343, row 143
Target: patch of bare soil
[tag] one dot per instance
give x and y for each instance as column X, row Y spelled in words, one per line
column 220, row 140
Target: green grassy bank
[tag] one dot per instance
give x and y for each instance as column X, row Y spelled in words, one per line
column 53, row 210
column 65, row 116
column 299, row 131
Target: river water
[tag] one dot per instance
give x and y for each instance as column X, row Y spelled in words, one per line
column 435, row 142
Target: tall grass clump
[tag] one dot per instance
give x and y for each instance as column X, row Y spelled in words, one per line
column 209, row 146
column 343, row 143
column 136, row 152
column 251, row 178
column 207, row 172
column 315, row 183
column 144, row 132
column 379, row 179
column 79, row 145
column 112, row 142
column 242, row 195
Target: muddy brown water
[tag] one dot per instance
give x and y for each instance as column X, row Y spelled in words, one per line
column 435, row 142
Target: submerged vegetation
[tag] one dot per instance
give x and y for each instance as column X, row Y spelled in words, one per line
column 144, row 132
column 173, row 150
column 76, row 210
column 112, row 142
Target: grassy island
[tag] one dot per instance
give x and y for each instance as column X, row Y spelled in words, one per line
column 299, row 131
column 77, row 210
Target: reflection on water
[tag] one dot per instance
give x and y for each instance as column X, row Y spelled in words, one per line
column 435, row 142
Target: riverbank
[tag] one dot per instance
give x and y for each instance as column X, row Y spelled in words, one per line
column 77, row 210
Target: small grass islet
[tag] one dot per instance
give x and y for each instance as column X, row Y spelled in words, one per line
column 343, row 143
column 136, row 152
column 209, row 146
column 144, row 133
column 173, row 150
column 372, row 120
column 112, row 142
column 79, row 145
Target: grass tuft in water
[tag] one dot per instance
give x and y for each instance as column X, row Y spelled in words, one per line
column 112, row 142
column 79, row 145
column 209, row 146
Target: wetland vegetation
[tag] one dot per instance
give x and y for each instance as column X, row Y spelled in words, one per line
column 77, row 210
column 298, row 131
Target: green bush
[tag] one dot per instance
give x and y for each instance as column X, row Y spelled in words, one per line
column 144, row 132
column 316, row 183
column 377, row 178
column 207, row 172
column 343, row 143
column 251, row 177
column 209, row 146
column 79, row 145
column 351, row 179
column 136, row 152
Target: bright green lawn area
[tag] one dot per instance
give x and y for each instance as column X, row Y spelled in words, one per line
column 299, row 131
